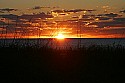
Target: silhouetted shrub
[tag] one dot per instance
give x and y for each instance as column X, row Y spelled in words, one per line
column 96, row 63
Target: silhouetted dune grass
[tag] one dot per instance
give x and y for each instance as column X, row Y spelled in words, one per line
column 96, row 63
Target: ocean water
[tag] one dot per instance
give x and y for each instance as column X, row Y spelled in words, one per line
column 63, row 43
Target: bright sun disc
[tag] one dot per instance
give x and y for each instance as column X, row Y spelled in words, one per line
column 60, row 36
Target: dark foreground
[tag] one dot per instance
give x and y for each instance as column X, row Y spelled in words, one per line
column 99, row 64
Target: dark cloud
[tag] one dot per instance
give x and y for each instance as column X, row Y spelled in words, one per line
column 8, row 9
column 122, row 11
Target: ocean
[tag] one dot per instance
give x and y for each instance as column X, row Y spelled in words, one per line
column 63, row 43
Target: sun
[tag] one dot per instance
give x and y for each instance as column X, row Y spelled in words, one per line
column 60, row 36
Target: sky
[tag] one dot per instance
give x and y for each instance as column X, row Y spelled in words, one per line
column 67, row 4
column 100, row 5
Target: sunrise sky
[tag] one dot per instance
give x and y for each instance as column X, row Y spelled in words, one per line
column 28, row 6
column 115, row 4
